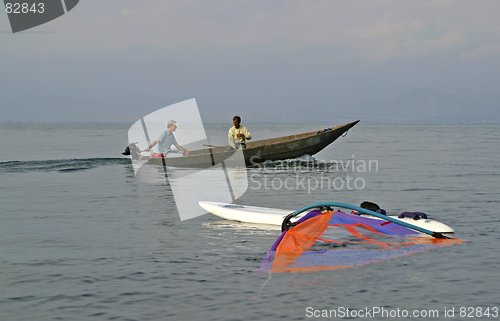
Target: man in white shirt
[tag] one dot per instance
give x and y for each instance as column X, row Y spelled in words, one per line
column 238, row 135
column 166, row 139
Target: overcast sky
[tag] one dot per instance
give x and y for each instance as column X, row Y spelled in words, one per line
column 381, row 61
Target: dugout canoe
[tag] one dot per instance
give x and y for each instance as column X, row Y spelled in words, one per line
column 271, row 149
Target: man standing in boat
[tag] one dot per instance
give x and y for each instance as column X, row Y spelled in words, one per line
column 166, row 139
column 238, row 135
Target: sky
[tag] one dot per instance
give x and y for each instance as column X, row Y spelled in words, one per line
column 273, row 61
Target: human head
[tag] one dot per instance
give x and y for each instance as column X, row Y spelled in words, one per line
column 236, row 121
column 172, row 125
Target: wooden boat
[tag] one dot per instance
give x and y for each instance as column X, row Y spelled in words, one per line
column 271, row 149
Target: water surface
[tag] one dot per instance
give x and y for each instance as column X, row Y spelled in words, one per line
column 81, row 238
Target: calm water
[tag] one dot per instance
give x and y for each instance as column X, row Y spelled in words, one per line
column 82, row 238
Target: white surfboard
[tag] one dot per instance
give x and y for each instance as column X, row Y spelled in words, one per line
column 247, row 214
column 274, row 216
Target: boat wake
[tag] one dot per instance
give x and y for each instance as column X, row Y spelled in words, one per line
column 79, row 164
column 60, row 165
column 302, row 163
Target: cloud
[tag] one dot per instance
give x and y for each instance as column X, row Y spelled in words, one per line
column 489, row 49
column 382, row 29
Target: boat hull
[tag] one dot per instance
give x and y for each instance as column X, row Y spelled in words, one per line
column 272, row 149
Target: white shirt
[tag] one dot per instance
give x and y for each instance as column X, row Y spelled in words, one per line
column 233, row 131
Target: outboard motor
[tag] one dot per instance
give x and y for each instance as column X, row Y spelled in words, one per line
column 127, row 151
column 132, row 150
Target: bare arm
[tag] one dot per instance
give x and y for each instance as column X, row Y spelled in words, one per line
column 152, row 144
column 182, row 148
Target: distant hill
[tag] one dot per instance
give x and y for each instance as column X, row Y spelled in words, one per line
column 426, row 105
column 430, row 105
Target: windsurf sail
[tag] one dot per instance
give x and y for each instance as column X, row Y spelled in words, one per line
column 326, row 240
